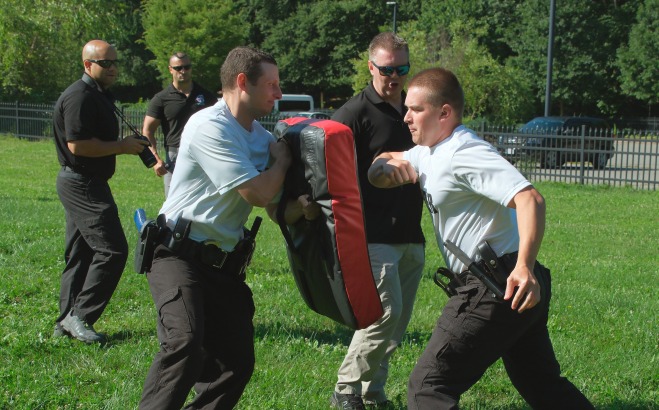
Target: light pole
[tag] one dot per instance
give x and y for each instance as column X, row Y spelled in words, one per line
column 393, row 3
column 550, row 57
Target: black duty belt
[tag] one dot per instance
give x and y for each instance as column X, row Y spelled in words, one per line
column 207, row 252
column 449, row 281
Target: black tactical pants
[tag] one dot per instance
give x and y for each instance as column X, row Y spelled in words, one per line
column 205, row 332
column 96, row 247
column 474, row 330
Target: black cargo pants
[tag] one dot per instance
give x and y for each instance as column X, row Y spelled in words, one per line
column 474, row 330
column 205, row 332
column 96, row 248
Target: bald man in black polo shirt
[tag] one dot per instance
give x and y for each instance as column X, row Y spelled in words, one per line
column 87, row 141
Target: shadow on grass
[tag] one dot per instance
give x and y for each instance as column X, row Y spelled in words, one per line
column 119, row 338
column 627, row 405
column 335, row 335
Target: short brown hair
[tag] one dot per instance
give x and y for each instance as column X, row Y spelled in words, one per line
column 442, row 87
column 387, row 41
column 180, row 55
column 243, row 60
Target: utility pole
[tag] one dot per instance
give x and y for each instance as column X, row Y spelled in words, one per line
column 550, row 56
column 393, row 3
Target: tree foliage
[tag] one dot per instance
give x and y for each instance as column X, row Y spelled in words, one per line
column 263, row 15
column 587, row 34
column 315, row 44
column 485, row 21
column 492, row 89
column 639, row 61
column 43, row 40
column 604, row 51
column 204, row 29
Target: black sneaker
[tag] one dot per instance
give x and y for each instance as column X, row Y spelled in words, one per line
column 346, row 402
column 379, row 405
column 81, row 330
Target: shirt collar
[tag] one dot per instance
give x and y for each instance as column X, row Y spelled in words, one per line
column 92, row 83
column 375, row 98
column 173, row 89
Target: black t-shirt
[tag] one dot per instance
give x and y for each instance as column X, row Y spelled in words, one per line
column 173, row 109
column 392, row 215
column 82, row 112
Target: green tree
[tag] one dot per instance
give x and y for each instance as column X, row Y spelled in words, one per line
column 315, row 44
column 42, row 43
column 485, row 21
column 587, row 34
column 638, row 61
column 263, row 15
column 138, row 79
column 204, row 29
column 452, row 34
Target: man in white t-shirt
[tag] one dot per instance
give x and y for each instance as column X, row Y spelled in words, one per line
column 475, row 195
column 227, row 164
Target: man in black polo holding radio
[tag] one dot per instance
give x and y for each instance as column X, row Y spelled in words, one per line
column 171, row 108
column 87, row 142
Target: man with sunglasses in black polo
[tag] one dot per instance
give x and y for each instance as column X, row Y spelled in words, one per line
column 172, row 107
column 393, row 224
column 87, row 141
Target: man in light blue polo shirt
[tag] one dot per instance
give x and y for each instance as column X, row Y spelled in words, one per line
column 227, row 164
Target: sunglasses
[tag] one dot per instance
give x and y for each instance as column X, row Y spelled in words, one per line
column 181, row 67
column 388, row 71
column 105, row 63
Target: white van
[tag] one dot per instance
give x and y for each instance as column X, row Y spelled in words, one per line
column 294, row 103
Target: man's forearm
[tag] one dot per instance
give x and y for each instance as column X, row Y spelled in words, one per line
column 149, row 128
column 150, row 135
column 390, row 170
column 531, row 211
column 95, row 148
column 376, row 174
column 260, row 190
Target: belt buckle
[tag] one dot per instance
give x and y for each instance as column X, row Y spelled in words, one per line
column 212, row 255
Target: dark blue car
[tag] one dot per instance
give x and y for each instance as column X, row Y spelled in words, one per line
column 554, row 141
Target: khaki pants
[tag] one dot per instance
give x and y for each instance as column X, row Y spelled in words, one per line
column 397, row 270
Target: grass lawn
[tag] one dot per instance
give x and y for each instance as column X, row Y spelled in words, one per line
column 602, row 245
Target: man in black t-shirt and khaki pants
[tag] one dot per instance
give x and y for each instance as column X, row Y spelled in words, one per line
column 86, row 137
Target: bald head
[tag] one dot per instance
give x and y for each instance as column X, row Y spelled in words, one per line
column 100, row 61
column 96, row 48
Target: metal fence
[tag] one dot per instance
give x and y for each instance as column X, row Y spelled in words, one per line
column 622, row 157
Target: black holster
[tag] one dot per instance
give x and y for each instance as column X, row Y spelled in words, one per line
column 207, row 253
column 449, row 281
column 241, row 256
column 150, row 236
column 496, row 268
